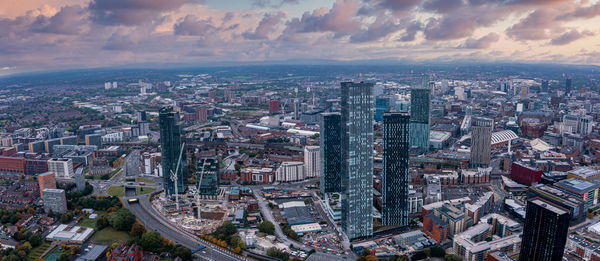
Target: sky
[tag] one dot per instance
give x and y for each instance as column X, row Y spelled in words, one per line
column 64, row 34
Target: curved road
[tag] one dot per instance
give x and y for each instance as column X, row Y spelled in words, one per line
column 152, row 221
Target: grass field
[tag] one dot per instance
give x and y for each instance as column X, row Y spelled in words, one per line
column 86, row 222
column 147, row 180
column 108, row 236
column 146, row 190
column 37, row 251
column 116, row 191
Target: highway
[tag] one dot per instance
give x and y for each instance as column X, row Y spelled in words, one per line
column 153, row 221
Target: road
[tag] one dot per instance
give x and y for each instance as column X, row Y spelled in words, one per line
column 153, row 221
column 267, row 214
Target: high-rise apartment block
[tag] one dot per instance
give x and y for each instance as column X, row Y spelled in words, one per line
column 395, row 176
column 357, row 162
column 481, row 142
column 55, row 200
column 46, row 180
column 312, row 163
column 545, row 231
column 331, row 152
column 170, row 142
column 420, row 105
column 63, row 168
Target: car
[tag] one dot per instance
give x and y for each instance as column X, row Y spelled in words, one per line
column 133, row 201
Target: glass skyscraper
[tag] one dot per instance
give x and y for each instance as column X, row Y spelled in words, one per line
column 331, row 152
column 382, row 105
column 545, row 231
column 420, row 103
column 170, row 143
column 357, row 164
column 207, row 177
column 395, row 169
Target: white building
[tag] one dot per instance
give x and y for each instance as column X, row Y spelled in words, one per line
column 62, row 168
column 113, row 137
column 290, row 171
column 312, row 161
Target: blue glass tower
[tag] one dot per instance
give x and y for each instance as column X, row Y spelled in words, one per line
column 330, row 150
column 420, row 103
column 170, row 143
column 395, row 169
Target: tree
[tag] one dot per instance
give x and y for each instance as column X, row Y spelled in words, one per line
column 226, row 229
column 452, row 257
column 419, row 256
column 275, row 252
column 63, row 257
column 101, row 223
column 121, row 220
column 437, row 251
column 35, row 239
column 137, row 230
column 267, row 227
column 151, row 240
column 182, row 252
column 236, row 241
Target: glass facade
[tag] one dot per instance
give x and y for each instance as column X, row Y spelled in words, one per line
column 395, row 169
column 481, row 142
column 545, row 231
column 331, row 152
column 170, row 143
column 420, row 103
column 207, row 177
column 357, row 168
column 382, row 105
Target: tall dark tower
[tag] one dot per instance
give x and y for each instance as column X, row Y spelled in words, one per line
column 568, row 85
column 544, row 87
column 545, row 231
column 170, row 143
column 481, row 140
column 357, row 162
column 420, row 105
column 395, row 169
column 330, row 150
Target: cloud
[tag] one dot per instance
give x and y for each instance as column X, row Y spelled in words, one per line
column 67, row 21
column 132, row 12
column 339, row 19
column 120, row 41
column 382, row 27
column 192, row 26
column 585, row 12
column 481, row 43
column 570, row 37
column 540, row 24
column 411, row 31
column 265, row 3
column 266, row 26
column 442, row 6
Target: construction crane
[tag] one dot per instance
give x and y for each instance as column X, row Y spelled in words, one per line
column 174, row 177
column 200, row 182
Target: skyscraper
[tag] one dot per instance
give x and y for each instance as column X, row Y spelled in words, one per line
column 395, row 169
column 420, row 103
column 544, row 87
column 568, row 83
column 545, row 231
column 357, row 164
column 207, row 177
column 481, row 142
column 170, row 142
column 331, row 152
column 382, row 105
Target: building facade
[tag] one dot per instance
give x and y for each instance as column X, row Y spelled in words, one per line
column 395, row 187
column 331, row 152
column 545, row 231
column 290, row 171
column 46, row 181
column 312, row 167
column 357, row 162
column 170, row 143
column 61, row 167
column 207, row 177
column 55, row 200
column 420, row 105
column 481, row 142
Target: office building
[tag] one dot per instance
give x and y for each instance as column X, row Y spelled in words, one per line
column 79, row 179
column 331, row 152
column 46, row 180
column 395, row 176
column 420, row 103
column 54, row 200
column 545, row 231
column 357, row 162
column 170, row 142
column 382, row 105
column 544, row 87
column 568, row 85
column 312, row 163
column 481, row 142
column 207, row 177
column 62, row 167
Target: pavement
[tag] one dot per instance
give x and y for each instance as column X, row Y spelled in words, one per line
column 155, row 222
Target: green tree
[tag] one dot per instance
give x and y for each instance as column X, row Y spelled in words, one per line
column 437, row 251
column 267, row 227
column 236, row 241
column 121, row 220
column 137, row 230
column 35, row 239
column 151, row 240
column 275, row 252
column 182, row 252
column 452, row 257
column 226, row 229
column 63, row 257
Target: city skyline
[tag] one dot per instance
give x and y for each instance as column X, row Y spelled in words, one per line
column 42, row 35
